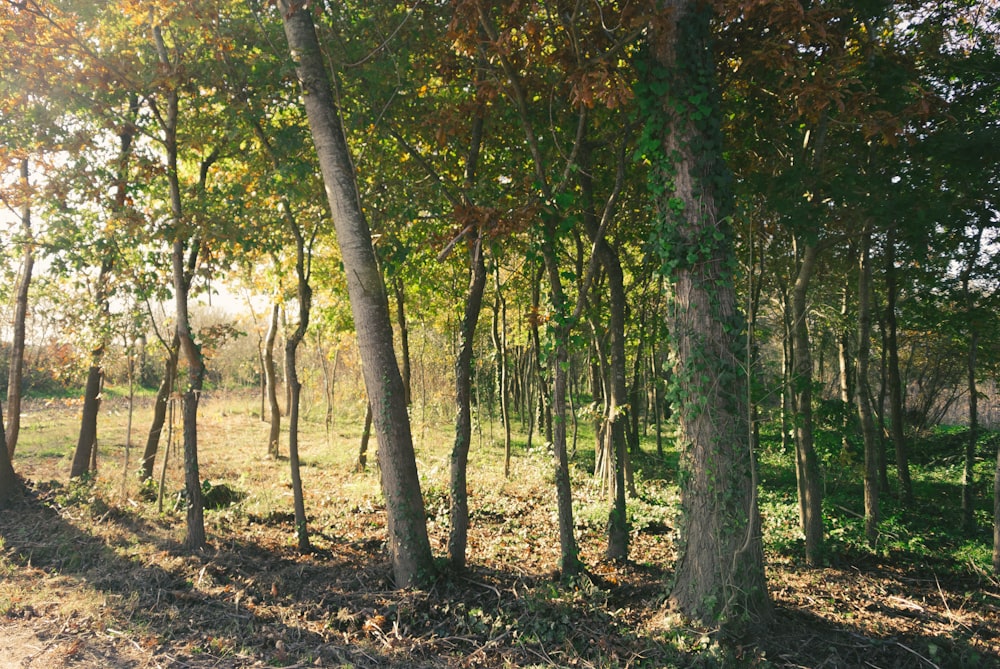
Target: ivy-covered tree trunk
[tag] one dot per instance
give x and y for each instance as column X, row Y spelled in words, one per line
column 16, row 368
column 271, row 382
column 407, row 523
column 719, row 577
column 459, row 511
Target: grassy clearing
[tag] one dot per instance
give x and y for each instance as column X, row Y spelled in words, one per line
column 93, row 576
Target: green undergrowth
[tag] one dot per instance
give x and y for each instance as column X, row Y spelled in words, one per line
column 928, row 531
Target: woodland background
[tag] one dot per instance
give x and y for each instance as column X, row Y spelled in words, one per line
column 168, row 243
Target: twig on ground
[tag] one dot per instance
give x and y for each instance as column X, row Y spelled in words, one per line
column 910, row 650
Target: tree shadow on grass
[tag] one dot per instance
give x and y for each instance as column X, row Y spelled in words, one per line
column 253, row 601
column 138, row 597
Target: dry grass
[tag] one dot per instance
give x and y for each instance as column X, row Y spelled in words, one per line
column 95, row 578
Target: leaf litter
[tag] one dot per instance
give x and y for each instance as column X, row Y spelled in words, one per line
column 92, row 580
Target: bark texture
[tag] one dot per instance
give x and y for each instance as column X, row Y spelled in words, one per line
column 407, row 524
column 719, row 577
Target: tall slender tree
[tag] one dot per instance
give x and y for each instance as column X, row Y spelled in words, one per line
column 408, row 542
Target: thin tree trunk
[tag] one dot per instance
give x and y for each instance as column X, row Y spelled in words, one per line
column 996, row 515
column 806, row 463
column 302, row 272
column 458, row 488
column 407, row 526
column 195, row 535
column 160, row 407
column 617, row 417
column 16, row 369
column 500, row 344
column 569, row 560
column 84, row 455
column 787, row 364
column 130, row 367
column 968, row 470
column 883, row 457
column 404, row 337
column 897, row 415
column 366, row 435
column 844, row 364
column 871, row 478
column 271, row 381
column 969, row 461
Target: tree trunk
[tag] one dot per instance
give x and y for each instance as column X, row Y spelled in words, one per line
column 720, row 570
column 302, row 271
column 366, row 435
column 844, row 360
column 787, row 365
column 996, row 515
column 968, row 470
column 871, row 477
column 500, row 344
column 195, row 535
column 883, row 431
column 160, row 407
column 407, row 525
column 617, row 417
column 16, row 369
column 84, row 455
column 271, row 381
column 404, row 338
column 895, row 383
column 969, row 461
column 806, row 464
column 459, row 512
column 569, row 553
column 10, row 485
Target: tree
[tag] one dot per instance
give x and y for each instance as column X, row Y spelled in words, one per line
column 271, row 376
column 10, row 485
column 720, row 570
column 408, row 542
column 871, row 475
column 16, row 371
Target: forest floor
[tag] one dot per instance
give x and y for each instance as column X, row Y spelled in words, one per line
column 94, row 576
